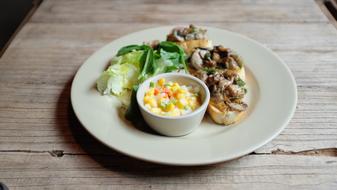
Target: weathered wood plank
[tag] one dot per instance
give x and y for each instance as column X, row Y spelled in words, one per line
column 164, row 12
column 23, row 170
column 81, row 37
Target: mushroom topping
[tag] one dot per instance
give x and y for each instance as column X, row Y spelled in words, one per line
column 203, row 53
column 219, row 97
column 190, row 36
column 154, row 44
column 202, row 75
column 196, row 60
column 235, row 91
column 209, row 63
column 219, row 68
column 230, row 73
column 216, row 57
column 224, row 83
column 214, row 79
column 237, row 106
column 177, row 37
column 223, row 52
column 232, row 64
column 180, row 34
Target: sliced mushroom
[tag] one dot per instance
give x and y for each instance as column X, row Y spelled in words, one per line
column 202, row 75
column 199, row 36
column 210, row 80
column 196, row 60
column 175, row 35
column 230, row 73
column 218, row 77
column 222, row 63
column 203, row 52
column 237, row 59
column 216, row 57
column 190, row 36
column 219, row 97
column 237, row 106
column 214, row 89
column 221, row 48
column 184, row 31
column 178, row 37
column 232, row 64
column 224, row 83
column 154, row 44
column 235, row 91
column 222, row 51
column 209, row 63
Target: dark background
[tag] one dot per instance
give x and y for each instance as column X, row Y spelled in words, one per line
column 12, row 14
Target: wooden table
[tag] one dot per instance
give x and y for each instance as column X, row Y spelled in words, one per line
column 42, row 145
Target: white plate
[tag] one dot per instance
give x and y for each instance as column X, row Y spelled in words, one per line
column 271, row 97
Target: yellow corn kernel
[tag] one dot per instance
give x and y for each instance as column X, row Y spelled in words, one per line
column 180, row 95
column 146, row 99
column 192, row 104
column 153, row 103
column 150, row 92
column 169, row 107
column 175, row 84
column 174, row 88
column 181, row 103
column 161, row 82
column 180, row 90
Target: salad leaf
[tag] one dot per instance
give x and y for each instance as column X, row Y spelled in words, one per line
column 172, row 47
column 147, row 69
column 105, row 83
column 133, row 113
column 130, row 48
column 168, row 62
column 133, row 58
column 121, row 75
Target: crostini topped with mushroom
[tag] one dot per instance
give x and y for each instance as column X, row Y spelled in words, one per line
column 223, row 72
column 189, row 38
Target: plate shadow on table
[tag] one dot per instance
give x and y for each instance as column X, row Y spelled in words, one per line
column 105, row 156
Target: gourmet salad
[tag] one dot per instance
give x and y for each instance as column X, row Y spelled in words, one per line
column 186, row 50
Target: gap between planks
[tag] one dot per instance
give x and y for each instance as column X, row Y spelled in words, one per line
column 330, row 152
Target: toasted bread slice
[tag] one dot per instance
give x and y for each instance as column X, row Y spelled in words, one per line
column 221, row 114
column 225, row 117
column 190, row 45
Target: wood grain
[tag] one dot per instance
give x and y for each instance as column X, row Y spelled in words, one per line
column 39, row 170
column 42, row 145
column 173, row 11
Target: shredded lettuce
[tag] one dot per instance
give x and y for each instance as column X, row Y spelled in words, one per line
column 121, row 75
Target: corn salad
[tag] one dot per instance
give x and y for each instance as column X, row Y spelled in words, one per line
column 171, row 99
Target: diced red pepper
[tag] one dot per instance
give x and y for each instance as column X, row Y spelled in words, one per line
column 156, row 91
